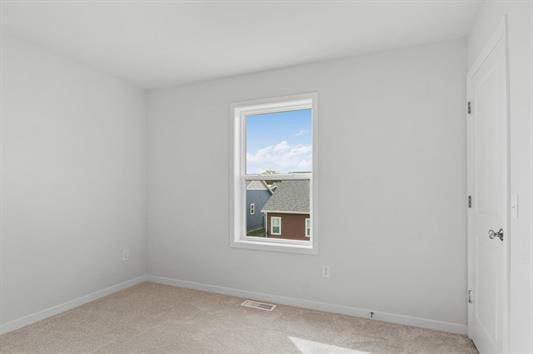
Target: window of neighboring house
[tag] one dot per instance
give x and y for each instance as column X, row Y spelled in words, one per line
column 274, row 159
column 275, row 225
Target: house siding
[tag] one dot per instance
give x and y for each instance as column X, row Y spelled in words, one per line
column 292, row 226
column 259, row 198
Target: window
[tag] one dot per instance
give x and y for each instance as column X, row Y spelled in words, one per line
column 275, row 226
column 274, row 159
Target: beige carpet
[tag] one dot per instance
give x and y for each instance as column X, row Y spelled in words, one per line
column 152, row 318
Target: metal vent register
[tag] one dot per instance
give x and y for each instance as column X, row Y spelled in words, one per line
column 258, row 305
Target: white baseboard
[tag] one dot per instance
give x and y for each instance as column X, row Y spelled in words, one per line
column 284, row 300
column 54, row 310
column 315, row 305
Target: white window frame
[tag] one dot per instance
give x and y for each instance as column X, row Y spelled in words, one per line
column 278, row 218
column 252, row 208
column 238, row 177
column 307, row 227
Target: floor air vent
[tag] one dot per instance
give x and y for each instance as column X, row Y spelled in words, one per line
column 258, row 305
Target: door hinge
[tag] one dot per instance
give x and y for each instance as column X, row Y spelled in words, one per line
column 469, row 107
column 469, row 296
column 470, row 201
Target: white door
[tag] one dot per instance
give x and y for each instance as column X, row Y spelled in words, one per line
column 488, row 195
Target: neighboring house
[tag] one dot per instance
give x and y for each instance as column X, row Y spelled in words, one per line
column 287, row 211
column 257, row 194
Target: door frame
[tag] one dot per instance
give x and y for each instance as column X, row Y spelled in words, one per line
column 499, row 35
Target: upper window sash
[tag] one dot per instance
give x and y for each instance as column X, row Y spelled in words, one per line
column 243, row 112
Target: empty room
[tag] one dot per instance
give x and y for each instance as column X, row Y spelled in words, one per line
column 266, row 176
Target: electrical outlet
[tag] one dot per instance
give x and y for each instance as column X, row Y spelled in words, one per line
column 326, row 272
column 125, row 255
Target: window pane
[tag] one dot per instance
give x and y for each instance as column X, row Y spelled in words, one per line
column 281, row 209
column 279, row 142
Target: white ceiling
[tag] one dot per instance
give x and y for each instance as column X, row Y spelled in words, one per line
column 162, row 43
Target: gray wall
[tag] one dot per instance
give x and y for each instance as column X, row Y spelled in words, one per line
column 72, row 180
column 391, row 201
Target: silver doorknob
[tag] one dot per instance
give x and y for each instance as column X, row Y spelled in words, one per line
column 493, row 234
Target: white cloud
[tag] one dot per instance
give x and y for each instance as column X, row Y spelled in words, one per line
column 282, row 158
column 301, row 132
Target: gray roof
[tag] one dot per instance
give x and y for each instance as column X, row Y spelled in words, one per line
column 257, row 185
column 289, row 196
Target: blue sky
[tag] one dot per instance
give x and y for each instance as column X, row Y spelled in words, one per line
column 279, row 141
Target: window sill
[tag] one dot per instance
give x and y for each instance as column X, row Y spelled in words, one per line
column 276, row 247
